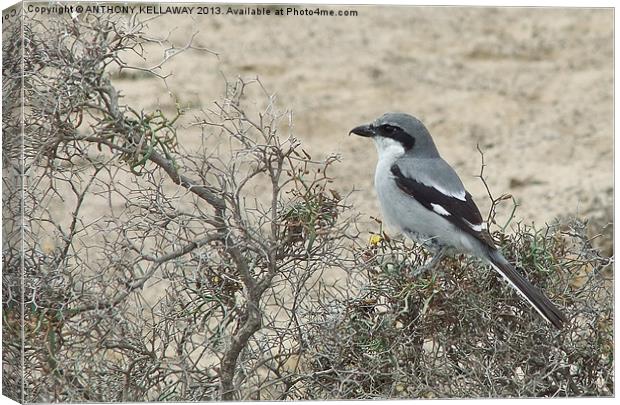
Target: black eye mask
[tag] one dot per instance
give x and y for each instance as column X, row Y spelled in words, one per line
column 397, row 133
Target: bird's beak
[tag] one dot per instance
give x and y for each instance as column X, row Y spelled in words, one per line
column 363, row 130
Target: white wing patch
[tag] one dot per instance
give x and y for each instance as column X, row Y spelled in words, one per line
column 439, row 209
column 476, row 227
column 460, row 194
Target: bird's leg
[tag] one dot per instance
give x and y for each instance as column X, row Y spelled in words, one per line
column 432, row 264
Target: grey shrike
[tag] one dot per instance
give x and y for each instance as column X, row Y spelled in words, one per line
column 424, row 198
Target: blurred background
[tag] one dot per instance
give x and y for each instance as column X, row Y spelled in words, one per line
column 112, row 314
column 531, row 86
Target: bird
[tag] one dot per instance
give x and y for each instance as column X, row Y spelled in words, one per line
column 422, row 196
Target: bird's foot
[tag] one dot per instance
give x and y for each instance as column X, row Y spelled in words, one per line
column 430, row 266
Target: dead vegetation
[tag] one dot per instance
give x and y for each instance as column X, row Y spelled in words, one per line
column 200, row 278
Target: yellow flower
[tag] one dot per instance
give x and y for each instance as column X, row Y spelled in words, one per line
column 375, row 239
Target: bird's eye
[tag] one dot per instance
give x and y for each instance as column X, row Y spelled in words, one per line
column 390, row 129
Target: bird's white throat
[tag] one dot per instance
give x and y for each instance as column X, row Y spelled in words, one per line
column 388, row 148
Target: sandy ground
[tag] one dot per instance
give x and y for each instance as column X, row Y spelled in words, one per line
column 532, row 86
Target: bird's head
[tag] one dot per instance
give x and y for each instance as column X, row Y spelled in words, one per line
column 400, row 134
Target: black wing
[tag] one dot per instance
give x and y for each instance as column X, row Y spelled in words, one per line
column 463, row 214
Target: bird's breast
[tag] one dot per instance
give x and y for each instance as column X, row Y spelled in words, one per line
column 404, row 213
column 397, row 208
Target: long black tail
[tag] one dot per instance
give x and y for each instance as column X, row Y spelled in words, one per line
column 532, row 294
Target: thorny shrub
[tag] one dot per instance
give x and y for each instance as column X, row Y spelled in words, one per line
column 163, row 255
column 462, row 332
